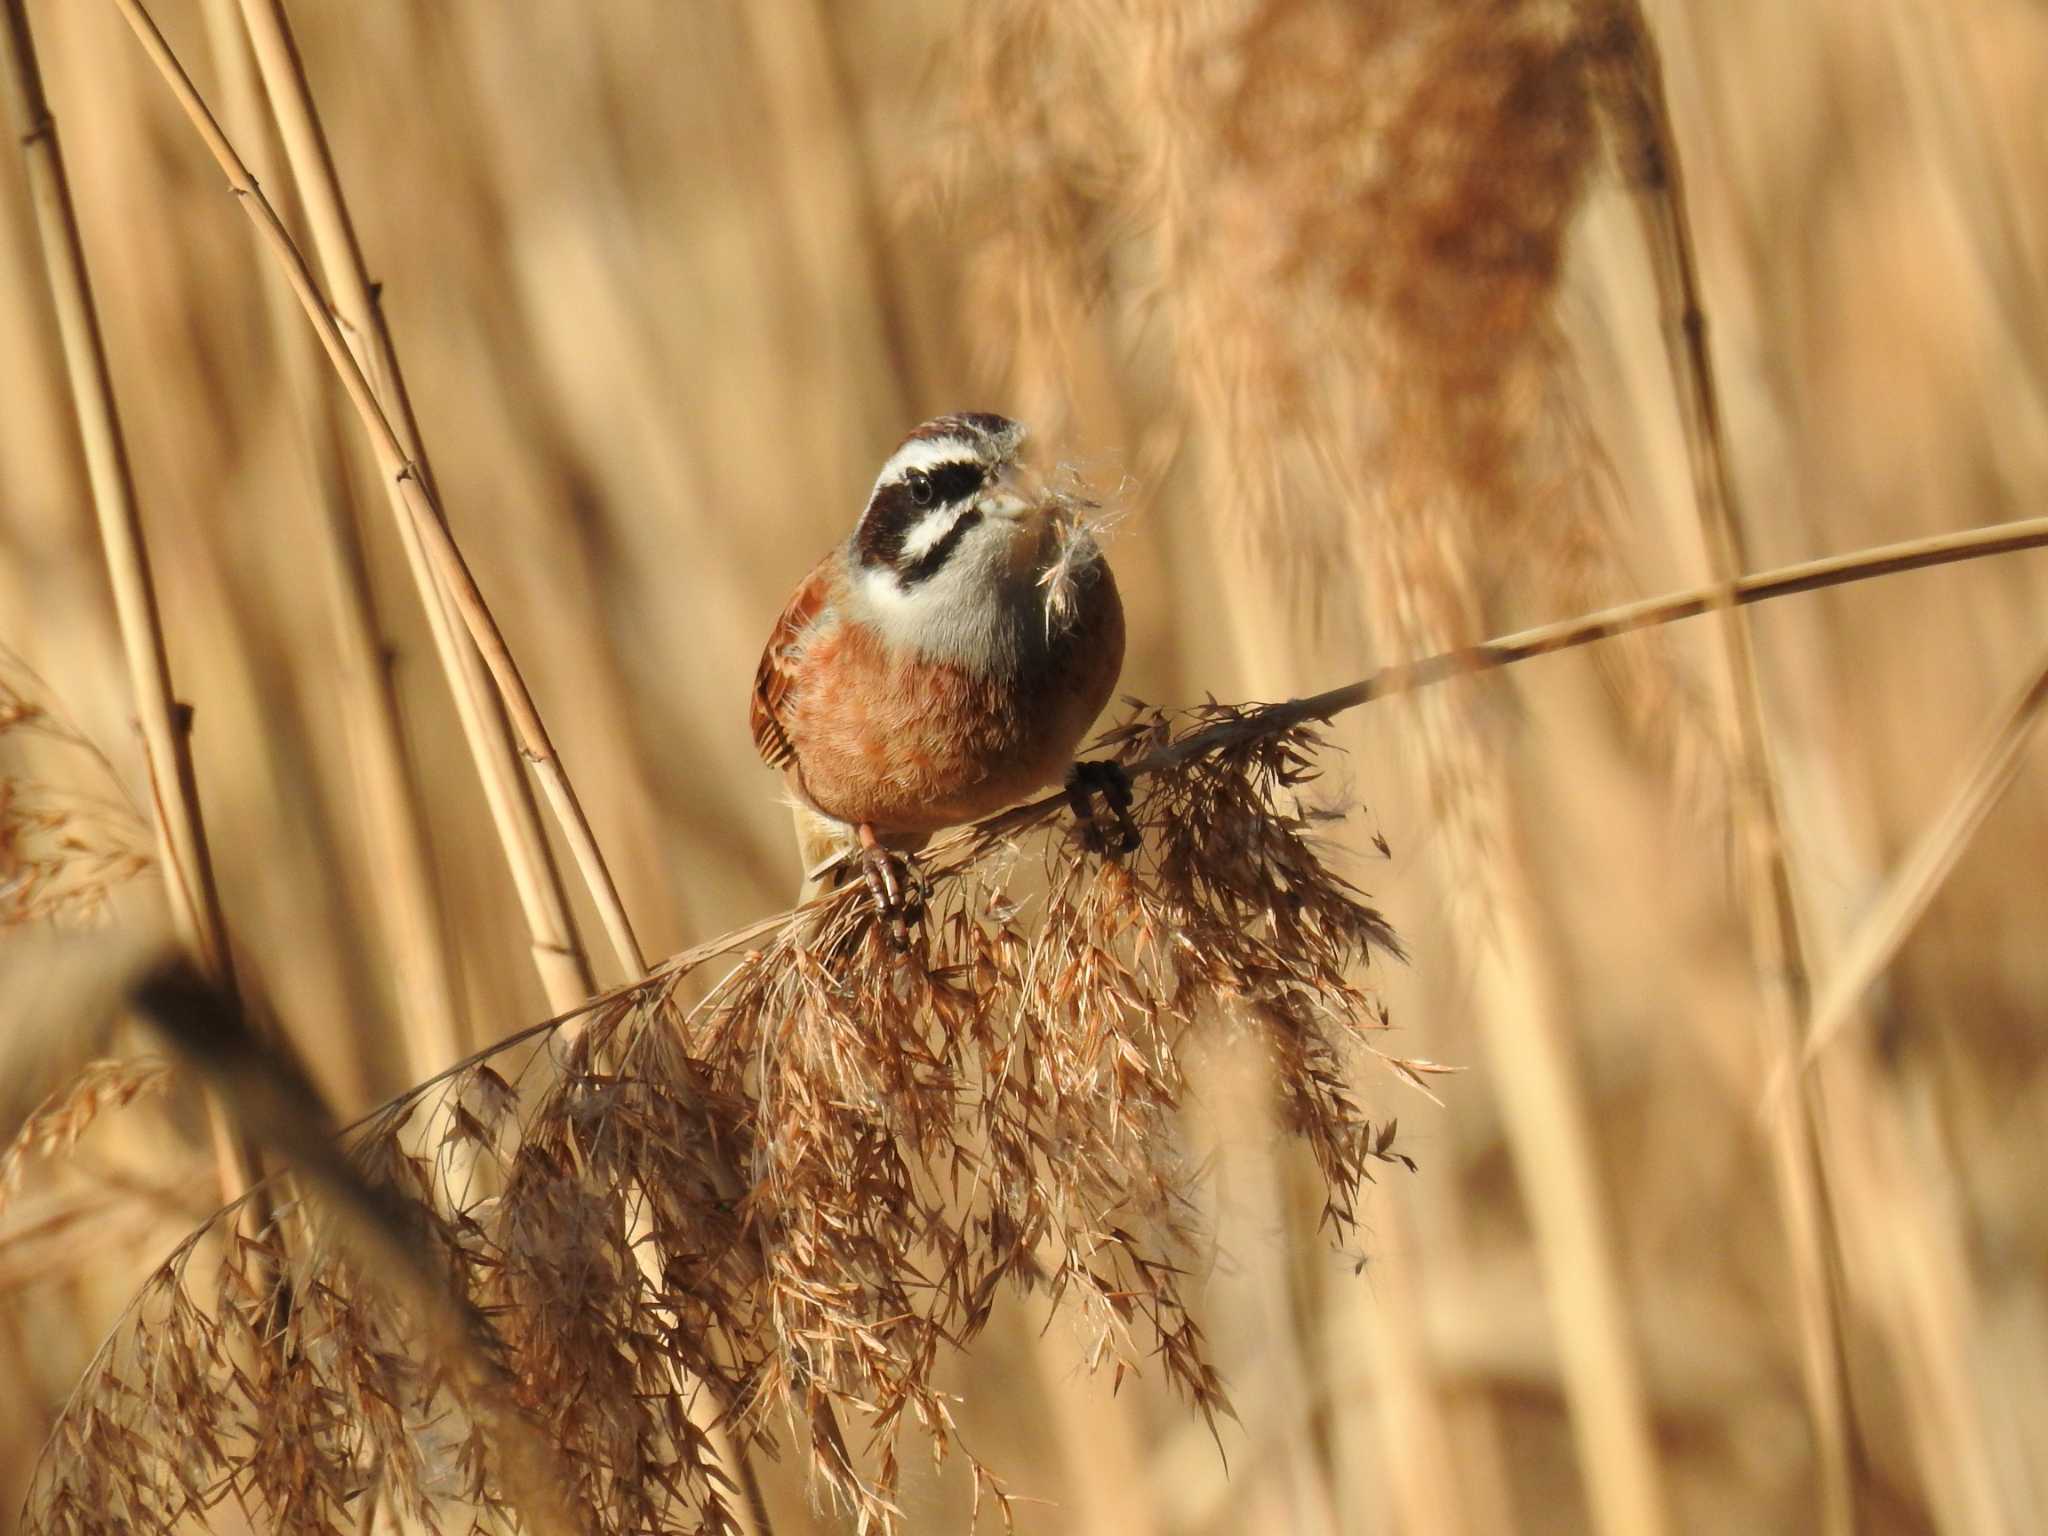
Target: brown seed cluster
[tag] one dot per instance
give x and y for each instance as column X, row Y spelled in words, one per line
column 918, row 1134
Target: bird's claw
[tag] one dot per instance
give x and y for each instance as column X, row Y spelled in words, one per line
column 897, row 887
column 1108, row 779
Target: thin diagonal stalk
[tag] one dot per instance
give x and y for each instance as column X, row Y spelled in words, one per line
column 412, row 497
column 394, row 815
column 557, row 952
column 1870, row 948
column 1488, row 656
column 412, row 494
column 181, row 833
column 960, row 846
column 1775, row 938
column 1547, row 640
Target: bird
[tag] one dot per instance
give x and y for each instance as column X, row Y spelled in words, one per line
column 941, row 662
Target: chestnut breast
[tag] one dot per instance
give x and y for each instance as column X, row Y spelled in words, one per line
column 910, row 744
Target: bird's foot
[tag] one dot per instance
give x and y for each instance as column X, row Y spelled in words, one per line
column 897, row 885
column 1105, row 778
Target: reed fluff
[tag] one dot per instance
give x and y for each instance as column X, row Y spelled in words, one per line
column 64, row 848
column 996, row 1111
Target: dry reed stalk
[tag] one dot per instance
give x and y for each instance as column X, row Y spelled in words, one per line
column 390, row 803
column 557, row 952
column 1905, row 1247
column 555, row 946
column 883, row 295
column 1283, row 1480
column 406, row 481
column 1628, row 618
column 186, row 861
column 1885, row 925
column 187, row 865
column 1420, row 1453
column 839, row 237
column 1549, row 1125
column 1649, row 144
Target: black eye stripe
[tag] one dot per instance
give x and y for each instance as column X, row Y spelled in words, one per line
column 926, row 565
column 896, row 509
column 955, row 482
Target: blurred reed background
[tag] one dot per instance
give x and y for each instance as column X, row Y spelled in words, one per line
column 1370, row 310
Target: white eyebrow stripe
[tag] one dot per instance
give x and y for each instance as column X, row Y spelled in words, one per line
column 922, row 454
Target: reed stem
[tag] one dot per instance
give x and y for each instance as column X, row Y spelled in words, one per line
column 406, row 483
column 557, row 952
column 1776, row 939
column 393, row 811
column 180, row 830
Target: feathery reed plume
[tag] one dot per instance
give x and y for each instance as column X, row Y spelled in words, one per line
column 1360, row 217
column 921, row 1132
column 54, row 1126
column 379, row 1227
column 63, row 848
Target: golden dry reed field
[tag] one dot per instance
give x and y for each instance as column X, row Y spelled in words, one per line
column 1583, row 1069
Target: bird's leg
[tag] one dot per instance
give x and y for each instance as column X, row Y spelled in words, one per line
column 1108, row 779
column 897, row 889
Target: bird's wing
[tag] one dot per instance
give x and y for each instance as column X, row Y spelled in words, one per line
column 777, row 673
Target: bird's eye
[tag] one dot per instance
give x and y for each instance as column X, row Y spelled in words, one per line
column 920, row 485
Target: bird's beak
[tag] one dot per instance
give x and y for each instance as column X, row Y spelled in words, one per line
column 1017, row 493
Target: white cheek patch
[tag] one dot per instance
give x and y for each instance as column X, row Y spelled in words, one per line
column 940, row 618
column 892, row 608
column 925, row 535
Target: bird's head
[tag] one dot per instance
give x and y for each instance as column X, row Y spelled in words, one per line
column 954, row 523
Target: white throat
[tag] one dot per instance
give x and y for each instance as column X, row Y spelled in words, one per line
column 968, row 612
